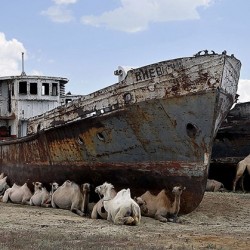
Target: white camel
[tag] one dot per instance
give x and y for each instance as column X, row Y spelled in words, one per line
column 3, row 184
column 70, row 196
column 41, row 196
column 99, row 210
column 159, row 206
column 54, row 186
column 242, row 166
column 18, row 194
column 121, row 209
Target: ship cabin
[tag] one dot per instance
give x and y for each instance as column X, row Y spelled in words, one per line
column 22, row 97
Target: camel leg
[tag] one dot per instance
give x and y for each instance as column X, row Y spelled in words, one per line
column 160, row 218
column 239, row 172
column 122, row 219
column 94, row 214
column 77, row 211
column 136, row 220
column 6, row 196
column 25, row 202
column 175, row 218
column 235, row 182
column 242, row 183
column 45, row 205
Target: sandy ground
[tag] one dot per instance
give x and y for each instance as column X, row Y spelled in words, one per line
column 222, row 221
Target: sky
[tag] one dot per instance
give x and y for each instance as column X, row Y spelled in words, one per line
column 86, row 40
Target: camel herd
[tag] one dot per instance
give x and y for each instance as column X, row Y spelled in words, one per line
column 116, row 207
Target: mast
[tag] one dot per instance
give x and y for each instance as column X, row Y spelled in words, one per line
column 23, row 73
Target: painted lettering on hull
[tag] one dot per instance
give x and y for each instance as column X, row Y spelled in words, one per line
column 152, row 72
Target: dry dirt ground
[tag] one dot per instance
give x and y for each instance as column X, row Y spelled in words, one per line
column 222, row 221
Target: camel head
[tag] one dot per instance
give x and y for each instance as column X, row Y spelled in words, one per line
column 85, row 188
column 177, row 190
column 54, row 186
column 37, row 185
column 142, row 204
column 3, row 185
column 104, row 189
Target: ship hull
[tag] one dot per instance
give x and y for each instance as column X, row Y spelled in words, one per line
column 231, row 145
column 152, row 135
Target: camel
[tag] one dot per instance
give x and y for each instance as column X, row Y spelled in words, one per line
column 71, row 197
column 54, row 186
column 121, row 209
column 159, row 206
column 3, row 184
column 41, row 196
column 214, row 186
column 99, row 210
column 242, row 166
column 18, row 194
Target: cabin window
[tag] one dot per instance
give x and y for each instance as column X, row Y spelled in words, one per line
column 45, row 89
column 54, row 89
column 0, row 88
column 22, row 87
column 33, row 88
column 12, row 89
column 68, row 100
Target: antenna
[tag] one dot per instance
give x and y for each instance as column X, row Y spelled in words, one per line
column 23, row 73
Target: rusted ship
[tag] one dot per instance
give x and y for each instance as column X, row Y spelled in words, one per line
column 151, row 130
column 231, row 145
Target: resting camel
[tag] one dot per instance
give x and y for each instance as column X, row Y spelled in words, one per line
column 18, row 194
column 54, row 186
column 70, row 196
column 99, row 210
column 41, row 196
column 241, row 167
column 214, row 186
column 121, row 209
column 159, row 206
column 3, row 184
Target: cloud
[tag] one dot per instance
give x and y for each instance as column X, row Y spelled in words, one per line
column 244, row 90
column 136, row 15
column 64, row 1
column 10, row 56
column 58, row 14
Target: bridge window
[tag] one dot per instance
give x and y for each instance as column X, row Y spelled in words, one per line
column 33, row 88
column 45, row 89
column 23, row 87
column 54, row 89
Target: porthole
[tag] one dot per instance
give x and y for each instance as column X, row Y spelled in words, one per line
column 192, row 130
column 127, row 97
column 100, row 136
column 80, row 140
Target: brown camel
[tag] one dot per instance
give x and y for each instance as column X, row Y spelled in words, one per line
column 159, row 206
column 214, row 186
column 242, row 166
